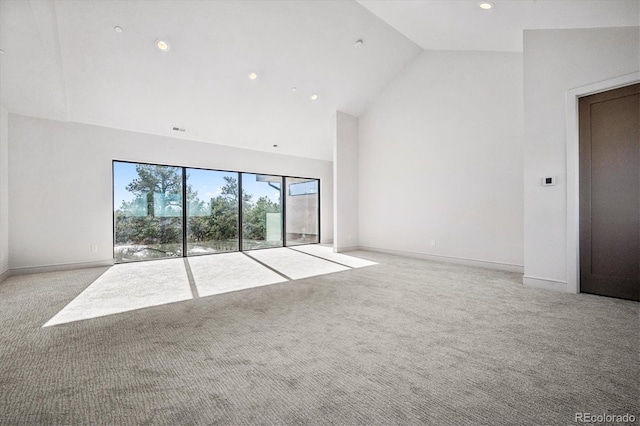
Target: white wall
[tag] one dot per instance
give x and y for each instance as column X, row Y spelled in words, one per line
column 441, row 159
column 60, row 185
column 556, row 61
column 345, row 181
column 4, row 191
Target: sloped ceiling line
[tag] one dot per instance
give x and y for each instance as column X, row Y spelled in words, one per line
column 44, row 14
column 63, row 60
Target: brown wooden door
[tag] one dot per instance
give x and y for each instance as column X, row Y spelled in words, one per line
column 610, row 193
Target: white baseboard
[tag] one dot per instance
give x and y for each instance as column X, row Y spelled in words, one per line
column 55, row 268
column 544, row 283
column 6, row 274
column 449, row 259
column 345, row 249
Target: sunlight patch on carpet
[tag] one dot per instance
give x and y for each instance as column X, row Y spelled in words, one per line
column 326, row 252
column 127, row 287
column 227, row 272
column 294, row 264
column 131, row 286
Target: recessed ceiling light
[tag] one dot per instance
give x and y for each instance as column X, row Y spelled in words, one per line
column 117, row 29
column 294, row 88
column 358, row 44
column 486, row 5
column 1, row 51
column 253, row 76
column 162, row 45
column 313, row 97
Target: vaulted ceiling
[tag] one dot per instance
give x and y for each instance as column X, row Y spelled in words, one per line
column 462, row 25
column 63, row 60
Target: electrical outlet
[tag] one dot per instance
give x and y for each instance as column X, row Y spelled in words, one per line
column 94, row 248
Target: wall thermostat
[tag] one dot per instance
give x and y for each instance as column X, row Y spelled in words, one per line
column 548, row 181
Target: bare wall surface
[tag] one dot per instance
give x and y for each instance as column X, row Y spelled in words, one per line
column 61, row 185
column 4, row 191
column 556, row 61
column 345, row 177
column 441, row 159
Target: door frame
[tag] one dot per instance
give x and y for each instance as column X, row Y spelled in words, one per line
column 573, row 172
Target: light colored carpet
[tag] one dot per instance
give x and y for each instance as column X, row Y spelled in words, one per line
column 294, row 264
column 130, row 286
column 326, row 252
column 226, row 272
column 127, row 287
column 402, row 342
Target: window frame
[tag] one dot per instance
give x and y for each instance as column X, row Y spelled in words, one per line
column 240, row 213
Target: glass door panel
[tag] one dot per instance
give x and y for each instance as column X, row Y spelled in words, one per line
column 261, row 211
column 212, row 211
column 147, row 202
column 302, row 211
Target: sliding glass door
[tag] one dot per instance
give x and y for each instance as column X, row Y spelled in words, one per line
column 212, row 211
column 168, row 211
column 261, row 211
column 148, row 211
column 302, row 214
